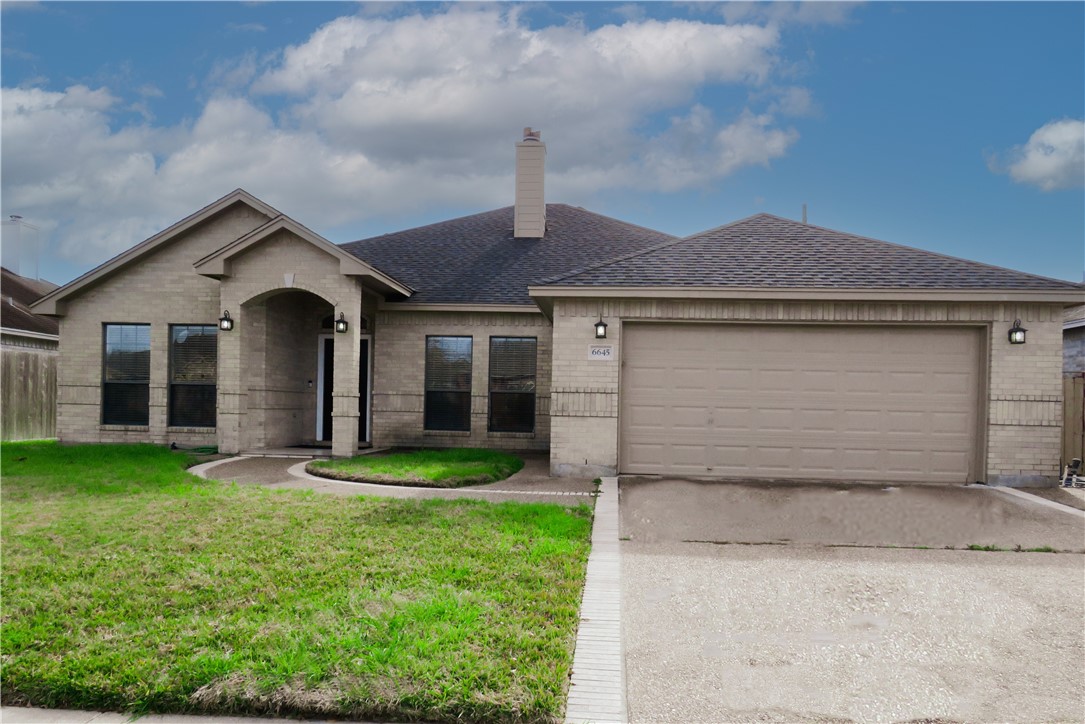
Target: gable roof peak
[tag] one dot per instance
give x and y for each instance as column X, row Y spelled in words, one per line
column 53, row 303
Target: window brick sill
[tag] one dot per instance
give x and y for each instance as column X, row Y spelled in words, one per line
column 125, row 428
column 512, row 435
column 201, row 430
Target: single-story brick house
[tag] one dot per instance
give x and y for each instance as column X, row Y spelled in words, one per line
column 765, row 348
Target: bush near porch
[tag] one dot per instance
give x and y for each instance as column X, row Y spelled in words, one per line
column 131, row 585
column 446, row 468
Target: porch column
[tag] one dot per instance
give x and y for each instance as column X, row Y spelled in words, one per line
column 345, row 389
column 229, row 393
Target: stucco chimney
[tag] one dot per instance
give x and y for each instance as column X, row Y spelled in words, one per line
column 530, row 219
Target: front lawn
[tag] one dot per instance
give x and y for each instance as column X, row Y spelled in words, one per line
column 453, row 468
column 131, row 585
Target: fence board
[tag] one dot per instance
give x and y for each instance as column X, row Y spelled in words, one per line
column 28, row 394
column 1073, row 417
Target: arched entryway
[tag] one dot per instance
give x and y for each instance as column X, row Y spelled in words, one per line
column 279, row 334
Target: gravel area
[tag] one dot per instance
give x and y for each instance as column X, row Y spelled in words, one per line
column 773, row 633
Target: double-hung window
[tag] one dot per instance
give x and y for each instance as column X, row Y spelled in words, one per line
column 448, row 384
column 193, row 374
column 512, row 384
column 126, row 374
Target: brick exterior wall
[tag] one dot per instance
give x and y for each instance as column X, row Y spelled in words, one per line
column 1023, row 400
column 399, row 377
column 282, row 288
column 159, row 290
column 279, row 291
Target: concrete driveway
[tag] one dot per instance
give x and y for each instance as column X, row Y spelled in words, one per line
column 819, row 627
column 866, row 515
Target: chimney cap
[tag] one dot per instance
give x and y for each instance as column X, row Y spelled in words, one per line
column 530, row 135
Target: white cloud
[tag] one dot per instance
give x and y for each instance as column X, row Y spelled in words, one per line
column 379, row 116
column 247, row 27
column 778, row 13
column 793, row 101
column 1053, row 158
column 692, row 153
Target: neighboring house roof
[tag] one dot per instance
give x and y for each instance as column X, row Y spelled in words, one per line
column 766, row 251
column 476, row 260
column 1074, row 317
column 18, row 293
column 53, row 303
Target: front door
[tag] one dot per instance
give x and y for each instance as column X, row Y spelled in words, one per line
column 363, row 391
column 324, row 401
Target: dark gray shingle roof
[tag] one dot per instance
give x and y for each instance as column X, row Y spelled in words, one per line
column 18, row 292
column 475, row 259
column 769, row 251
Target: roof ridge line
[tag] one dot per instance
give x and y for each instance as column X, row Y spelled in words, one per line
column 608, row 262
column 424, row 226
column 938, row 254
column 616, row 220
column 633, row 255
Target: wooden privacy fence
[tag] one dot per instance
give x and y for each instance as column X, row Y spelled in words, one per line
column 28, row 398
column 1073, row 417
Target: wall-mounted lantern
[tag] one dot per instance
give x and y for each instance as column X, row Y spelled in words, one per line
column 341, row 324
column 1017, row 333
column 600, row 329
column 225, row 322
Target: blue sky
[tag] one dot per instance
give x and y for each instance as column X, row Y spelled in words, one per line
column 954, row 127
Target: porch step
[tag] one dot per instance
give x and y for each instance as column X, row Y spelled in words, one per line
column 303, row 453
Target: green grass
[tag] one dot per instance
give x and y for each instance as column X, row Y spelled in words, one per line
column 130, row 585
column 451, row 468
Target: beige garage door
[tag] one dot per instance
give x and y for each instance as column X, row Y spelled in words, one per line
column 800, row 402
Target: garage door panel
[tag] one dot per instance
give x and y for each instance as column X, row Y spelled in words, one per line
column 759, row 401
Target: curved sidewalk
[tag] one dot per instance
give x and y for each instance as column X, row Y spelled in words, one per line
column 532, row 484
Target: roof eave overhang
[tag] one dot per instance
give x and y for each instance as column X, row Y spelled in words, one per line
column 541, row 294
column 217, row 264
column 12, row 331
column 458, row 307
column 54, row 304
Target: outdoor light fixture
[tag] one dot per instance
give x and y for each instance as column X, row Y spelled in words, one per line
column 341, row 324
column 225, row 323
column 600, row 329
column 1017, row 333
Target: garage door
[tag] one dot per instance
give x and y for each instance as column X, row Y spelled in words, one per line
column 800, row 402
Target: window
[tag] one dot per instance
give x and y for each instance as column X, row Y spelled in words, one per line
column 512, row 384
column 193, row 373
column 126, row 374
column 448, row 383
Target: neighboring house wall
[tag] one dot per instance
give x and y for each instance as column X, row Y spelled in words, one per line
column 1023, row 399
column 1073, row 386
column 28, row 378
column 399, row 380
column 1073, row 350
column 160, row 289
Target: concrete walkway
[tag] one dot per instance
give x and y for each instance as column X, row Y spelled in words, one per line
column 532, row 484
column 597, row 688
column 20, row 715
